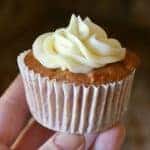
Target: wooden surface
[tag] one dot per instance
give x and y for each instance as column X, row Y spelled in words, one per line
column 21, row 22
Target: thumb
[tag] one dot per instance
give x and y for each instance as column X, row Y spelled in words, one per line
column 64, row 141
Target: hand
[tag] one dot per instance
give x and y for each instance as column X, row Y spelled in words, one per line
column 14, row 116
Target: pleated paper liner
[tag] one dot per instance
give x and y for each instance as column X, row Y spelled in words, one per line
column 78, row 109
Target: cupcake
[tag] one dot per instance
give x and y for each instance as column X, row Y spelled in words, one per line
column 77, row 79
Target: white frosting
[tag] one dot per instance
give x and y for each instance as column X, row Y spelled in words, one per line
column 80, row 47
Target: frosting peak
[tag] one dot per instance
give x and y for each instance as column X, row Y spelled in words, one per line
column 80, row 47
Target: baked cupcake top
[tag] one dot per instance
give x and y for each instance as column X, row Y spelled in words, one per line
column 78, row 48
column 81, row 53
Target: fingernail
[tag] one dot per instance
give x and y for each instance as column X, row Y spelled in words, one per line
column 69, row 142
column 49, row 145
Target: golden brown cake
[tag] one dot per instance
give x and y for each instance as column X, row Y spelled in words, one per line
column 109, row 73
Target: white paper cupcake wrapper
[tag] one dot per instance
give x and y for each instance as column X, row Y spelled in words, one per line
column 72, row 108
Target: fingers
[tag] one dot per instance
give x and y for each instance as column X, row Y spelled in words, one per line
column 14, row 112
column 111, row 139
column 64, row 141
column 32, row 136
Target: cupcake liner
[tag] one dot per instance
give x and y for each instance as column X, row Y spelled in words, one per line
column 72, row 108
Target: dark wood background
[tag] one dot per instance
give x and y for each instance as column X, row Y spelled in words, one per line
column 127, row 20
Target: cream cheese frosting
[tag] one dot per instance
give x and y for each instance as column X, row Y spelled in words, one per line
column 79, row 48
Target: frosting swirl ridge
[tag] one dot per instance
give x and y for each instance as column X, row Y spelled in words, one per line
column 79, row 48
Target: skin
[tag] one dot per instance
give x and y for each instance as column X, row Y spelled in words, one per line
column 14, row 121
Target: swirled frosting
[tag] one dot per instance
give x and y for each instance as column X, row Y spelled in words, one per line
column 79, row 48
